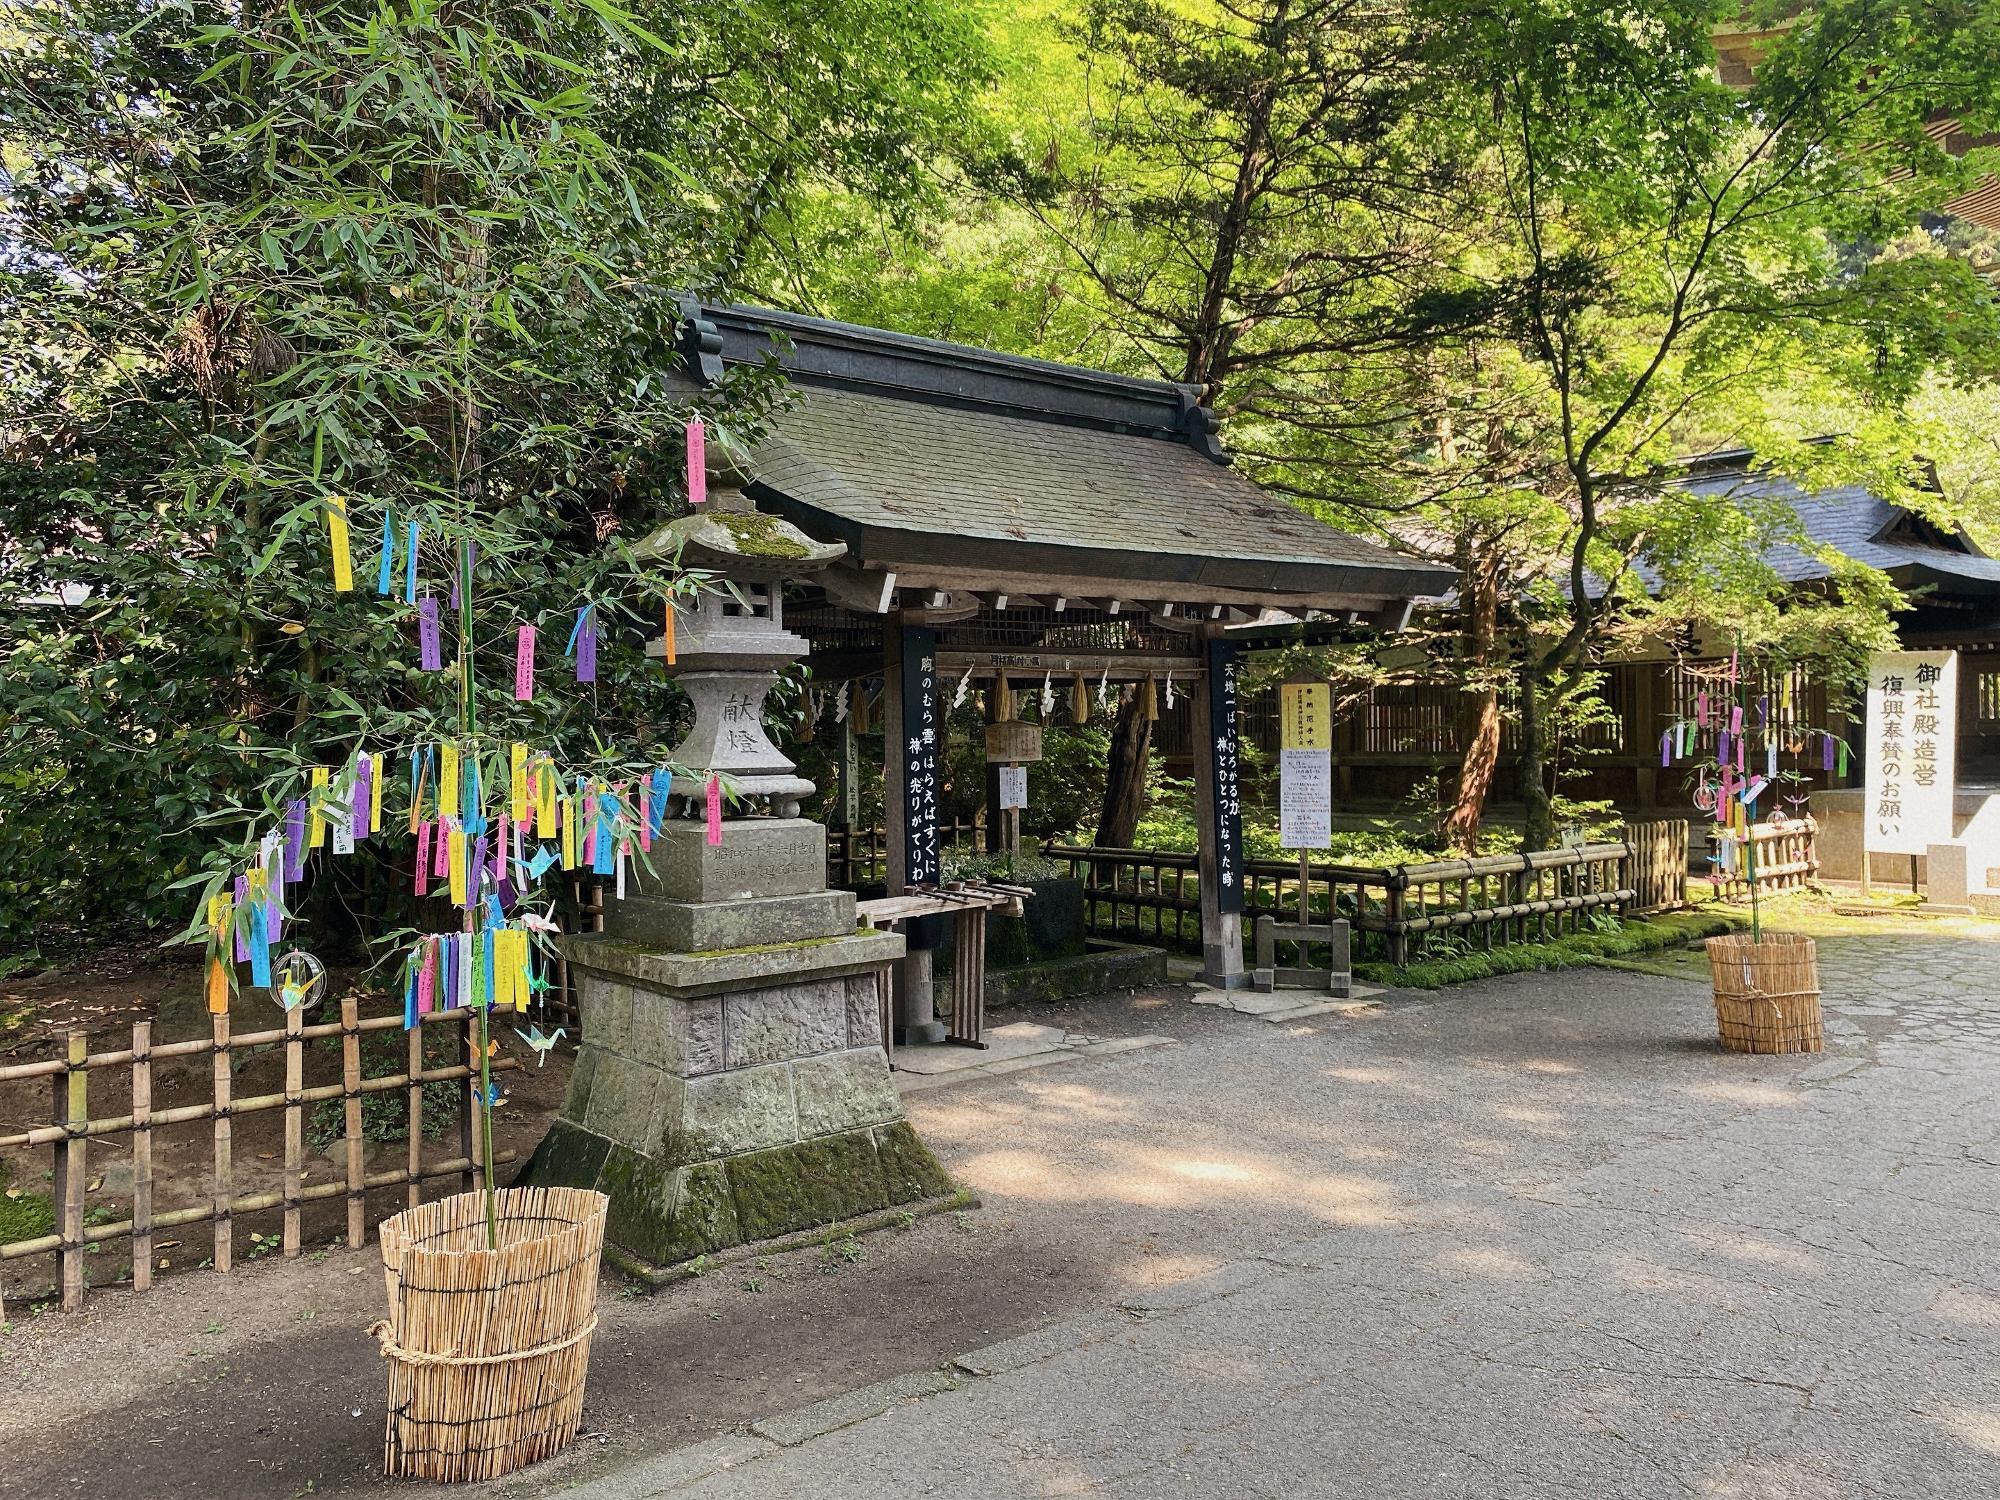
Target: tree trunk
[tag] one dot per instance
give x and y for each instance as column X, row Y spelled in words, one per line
column 1125, row 776
column 1539, row 819
column 1479, row 716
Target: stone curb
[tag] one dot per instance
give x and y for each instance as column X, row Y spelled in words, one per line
column 916, row 1083
column 789, row 1429
column 1224, row 1282
column 675, row 1470
column 1044, row 1343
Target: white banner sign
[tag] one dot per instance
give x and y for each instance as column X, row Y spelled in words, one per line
column 1912, row 750
column 1305, row 799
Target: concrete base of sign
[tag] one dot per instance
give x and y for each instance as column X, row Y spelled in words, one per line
column 1338, row 979
column 1949, row 888
column 725, row 1098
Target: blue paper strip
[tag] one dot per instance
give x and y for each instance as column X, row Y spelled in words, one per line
column 385, row 568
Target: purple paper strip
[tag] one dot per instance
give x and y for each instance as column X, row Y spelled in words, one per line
column 364, row 779
column 242, row 900
column 429, row 647
column 477, row 866
column 1826, row 753
column 295, row 839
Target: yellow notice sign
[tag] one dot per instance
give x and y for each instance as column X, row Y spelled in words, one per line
column 1305, row 719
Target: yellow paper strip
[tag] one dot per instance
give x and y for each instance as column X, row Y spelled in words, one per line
column 517, row 781
column 315, row 824
column 448, row 781
column 336, row 536
column 568, row 834
column 456, row 859
column 381, row 774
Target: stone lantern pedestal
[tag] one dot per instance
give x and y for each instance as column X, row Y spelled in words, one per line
column 731, row 1085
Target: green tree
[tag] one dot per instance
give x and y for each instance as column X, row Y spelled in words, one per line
column 1674, row 250
column 418, row 256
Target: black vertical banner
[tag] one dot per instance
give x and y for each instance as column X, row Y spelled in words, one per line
column 1227, row 778
column 922, row 748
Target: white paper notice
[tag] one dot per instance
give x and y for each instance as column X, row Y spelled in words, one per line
column 1013, row 786
column 1305, row 799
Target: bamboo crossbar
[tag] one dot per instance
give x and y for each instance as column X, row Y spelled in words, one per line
column 255, row 1104
column 250, row 1203
column 73, row 1128
column 202, row 1046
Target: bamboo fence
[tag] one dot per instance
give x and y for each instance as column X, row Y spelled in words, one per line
column 73, row 1129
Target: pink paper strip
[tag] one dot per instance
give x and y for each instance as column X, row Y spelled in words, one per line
column 423, row 857
column 427, row 979
column 697, row 453
column 441, row 850
column 524, row 665
column 646, row 815
column 714, row 810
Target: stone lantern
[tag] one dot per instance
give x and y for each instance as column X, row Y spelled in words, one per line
column 731, row 1085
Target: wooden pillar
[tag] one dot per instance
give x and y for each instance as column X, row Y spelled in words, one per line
column 1219, row 817
column 912, row 749
column 1644, row 723
column 847, row 779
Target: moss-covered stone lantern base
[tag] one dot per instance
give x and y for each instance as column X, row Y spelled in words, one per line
column 727, row 1097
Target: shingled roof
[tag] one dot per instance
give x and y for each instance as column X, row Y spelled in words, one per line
column 1915, row 553
column 915, row 452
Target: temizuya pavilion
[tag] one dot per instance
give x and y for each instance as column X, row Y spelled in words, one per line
column 1019, row 518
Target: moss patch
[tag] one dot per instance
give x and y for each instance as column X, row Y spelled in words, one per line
column 759, row 536
column 1578, row 950
column 812, row 1183
column 909, row 1171
column 27, row 1217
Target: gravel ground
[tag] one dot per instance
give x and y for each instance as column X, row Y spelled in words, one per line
column 1526, row 1237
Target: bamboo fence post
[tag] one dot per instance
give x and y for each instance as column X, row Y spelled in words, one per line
column 225, row 1173
column 295, row 1124
column 415, row 1193
column 350, row 1072
column 142, row 1155
column 76, row 1090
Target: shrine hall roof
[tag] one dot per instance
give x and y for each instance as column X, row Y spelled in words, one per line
column 915, row 452
column 1853, row 521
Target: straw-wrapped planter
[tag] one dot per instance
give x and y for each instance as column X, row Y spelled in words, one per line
column 1766, row 992
column 488, row 1349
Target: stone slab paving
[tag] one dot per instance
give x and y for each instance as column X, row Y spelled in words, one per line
column 1535, row 1237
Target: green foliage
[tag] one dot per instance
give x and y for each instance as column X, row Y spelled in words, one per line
column 416, row 257
column 24, row 1215
column 1009, row 869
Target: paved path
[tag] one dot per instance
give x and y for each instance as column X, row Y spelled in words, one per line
column 1534, row 1238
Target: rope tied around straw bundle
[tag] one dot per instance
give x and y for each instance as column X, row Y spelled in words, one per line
column 385, row 1336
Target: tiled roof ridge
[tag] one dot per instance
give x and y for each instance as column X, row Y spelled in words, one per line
column 824, row 352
